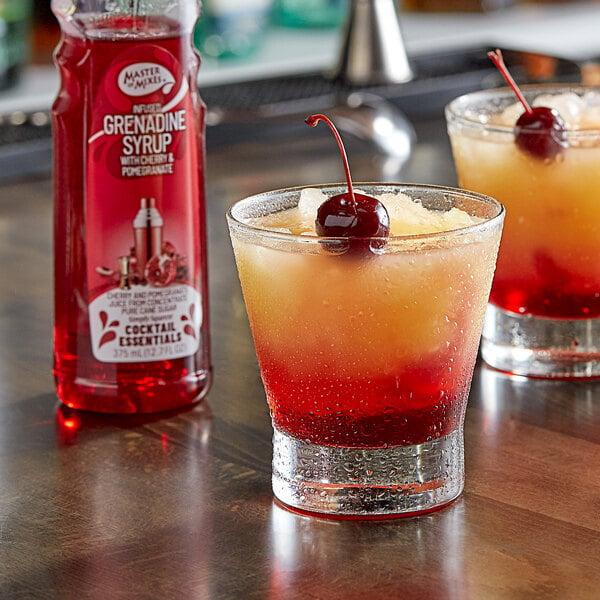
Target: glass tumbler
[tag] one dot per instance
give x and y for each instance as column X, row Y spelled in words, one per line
column 366, row 357
column 544, row 314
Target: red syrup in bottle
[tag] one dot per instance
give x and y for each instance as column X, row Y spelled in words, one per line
column 131, row 333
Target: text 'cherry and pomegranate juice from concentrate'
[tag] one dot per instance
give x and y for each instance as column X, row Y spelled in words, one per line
column 131, row 314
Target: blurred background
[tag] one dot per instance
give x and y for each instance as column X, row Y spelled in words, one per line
column 235, row 30
column 272, row 60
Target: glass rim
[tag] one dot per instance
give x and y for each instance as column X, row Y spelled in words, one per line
column 454, row 115
column 273, row 234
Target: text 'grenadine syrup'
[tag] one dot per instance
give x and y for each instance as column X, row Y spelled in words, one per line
column 131, row 314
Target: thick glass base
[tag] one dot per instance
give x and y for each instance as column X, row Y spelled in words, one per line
column 541, row 347
column 368, row 482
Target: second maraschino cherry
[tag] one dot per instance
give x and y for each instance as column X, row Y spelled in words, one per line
column 540, row 131
column 351, row 215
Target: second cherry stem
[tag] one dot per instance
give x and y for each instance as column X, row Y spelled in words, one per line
column 498, row 60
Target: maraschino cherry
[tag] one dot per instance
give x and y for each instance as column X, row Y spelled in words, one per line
column 351, row 215
column 540, row 131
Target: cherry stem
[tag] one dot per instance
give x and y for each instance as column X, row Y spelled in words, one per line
column 498, row 60
column 312, row 120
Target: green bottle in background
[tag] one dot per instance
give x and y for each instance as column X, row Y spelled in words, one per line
column 229, row 29
column 15, row 24
column 310, row 13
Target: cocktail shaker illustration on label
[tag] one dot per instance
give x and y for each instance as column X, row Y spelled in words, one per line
column 148, row 234
column 149, row 310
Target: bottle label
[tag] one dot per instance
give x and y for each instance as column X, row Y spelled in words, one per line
column 142, row 209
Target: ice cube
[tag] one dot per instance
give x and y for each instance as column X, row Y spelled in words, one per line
column 408, row 217
column 510, row 115
column 456, row 219
column 590, row 117
column 400, row 208
column 310, row 200
column 270, row 223
column 568, row 105
column 590, row 120
column 592, row 99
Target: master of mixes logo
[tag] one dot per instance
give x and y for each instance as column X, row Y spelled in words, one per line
column 143, row 78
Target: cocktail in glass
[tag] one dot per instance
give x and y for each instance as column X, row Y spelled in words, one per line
column 544, row 315
column 367, row 347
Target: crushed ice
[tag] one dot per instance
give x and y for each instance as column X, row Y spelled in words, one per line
column 578, row 112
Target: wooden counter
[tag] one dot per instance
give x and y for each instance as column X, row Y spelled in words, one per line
column 180, row 506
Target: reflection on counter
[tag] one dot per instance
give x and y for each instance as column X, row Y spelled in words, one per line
column 94, row 449
column 305, row 549
column 537, row 400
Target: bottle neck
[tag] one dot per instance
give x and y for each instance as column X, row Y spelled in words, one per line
column 127, row 15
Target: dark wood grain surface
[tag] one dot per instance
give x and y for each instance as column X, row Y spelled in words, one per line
column 179, row 506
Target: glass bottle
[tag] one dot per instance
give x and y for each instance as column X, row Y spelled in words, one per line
column 131, row 333
column 310, row 13
column 232, row 29
column 15, row 24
